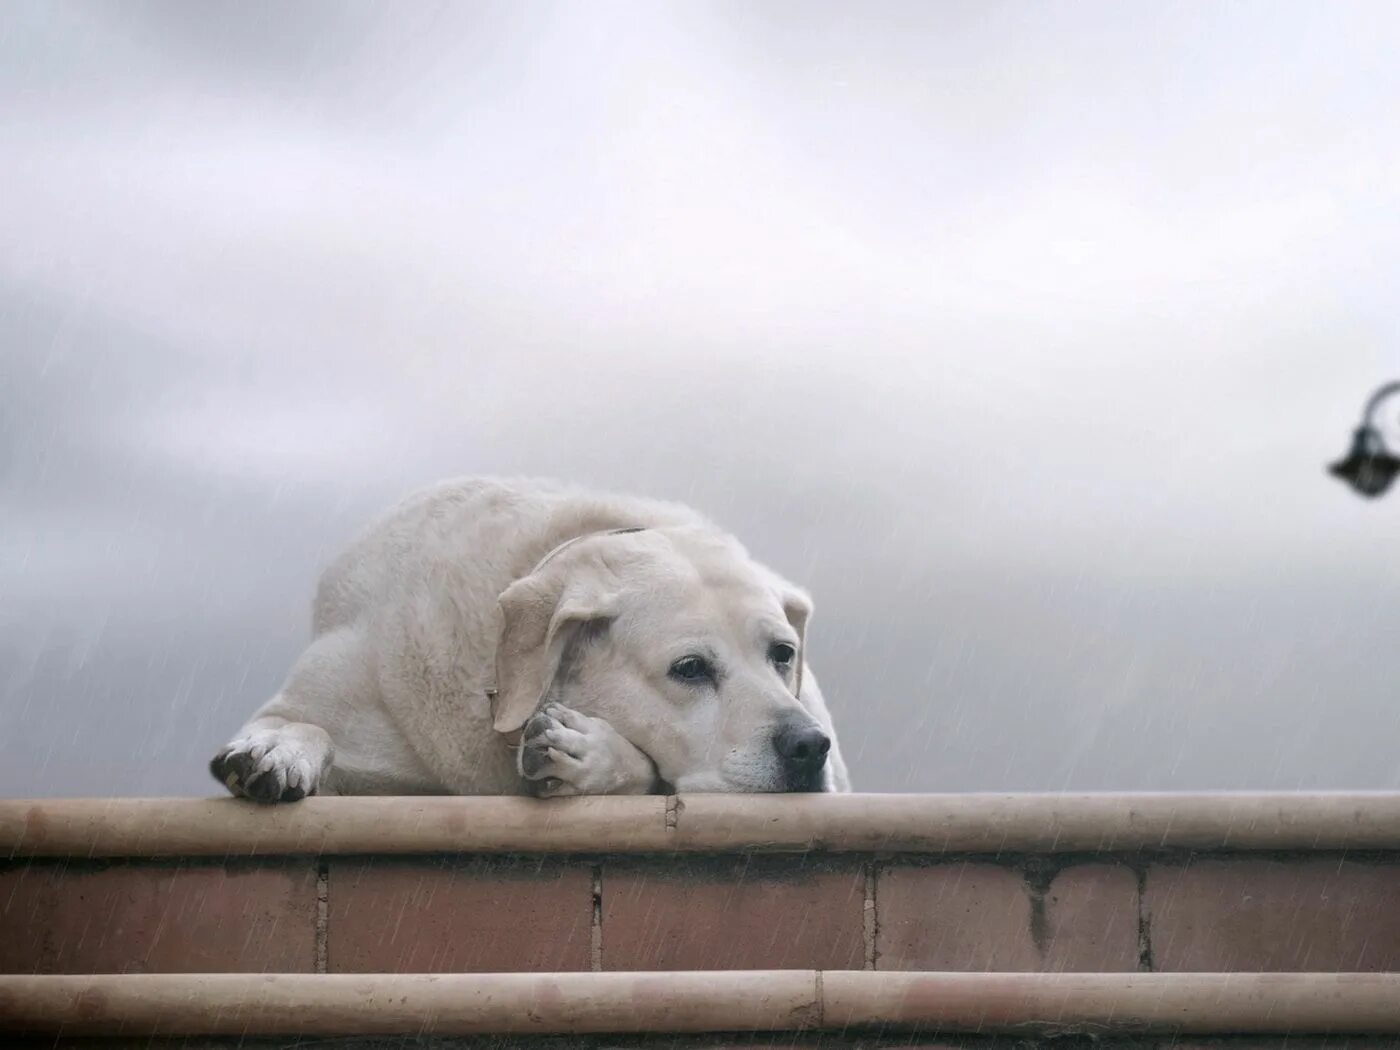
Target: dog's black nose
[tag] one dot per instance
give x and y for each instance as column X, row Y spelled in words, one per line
column 802, row 748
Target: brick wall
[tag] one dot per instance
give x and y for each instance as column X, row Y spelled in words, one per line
column 1198, row 911
column 1076, row 884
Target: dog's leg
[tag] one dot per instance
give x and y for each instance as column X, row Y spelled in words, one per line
column 285, row 752
column 274, row 760
column 565, row 753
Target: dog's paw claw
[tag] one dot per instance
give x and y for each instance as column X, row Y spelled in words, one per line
column 563, row 752
column 263, row 769
column 536, row 758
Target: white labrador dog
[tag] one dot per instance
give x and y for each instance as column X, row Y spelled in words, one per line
column 494, row 638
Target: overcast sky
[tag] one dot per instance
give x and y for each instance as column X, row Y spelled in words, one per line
column 1018, row 333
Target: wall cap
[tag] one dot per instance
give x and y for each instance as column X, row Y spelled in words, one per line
column 861, row 823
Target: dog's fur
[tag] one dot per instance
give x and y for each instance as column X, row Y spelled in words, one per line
column 458, row 619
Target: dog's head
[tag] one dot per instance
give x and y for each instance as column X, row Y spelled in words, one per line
column 691, row 651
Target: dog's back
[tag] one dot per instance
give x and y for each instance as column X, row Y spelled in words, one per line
column 498, row 527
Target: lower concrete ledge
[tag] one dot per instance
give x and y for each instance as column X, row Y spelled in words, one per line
column 691, row 1002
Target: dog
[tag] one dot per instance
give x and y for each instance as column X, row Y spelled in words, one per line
column 495, row 637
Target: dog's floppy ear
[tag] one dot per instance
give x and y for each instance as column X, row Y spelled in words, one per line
column 539, row 615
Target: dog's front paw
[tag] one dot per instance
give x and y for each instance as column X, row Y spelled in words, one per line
column 565, row 753
column 267, row 766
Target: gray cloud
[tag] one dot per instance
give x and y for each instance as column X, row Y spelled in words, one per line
column 1018, row 335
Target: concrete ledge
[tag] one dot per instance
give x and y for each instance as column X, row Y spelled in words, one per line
column 790, row 1000
column 702, row 823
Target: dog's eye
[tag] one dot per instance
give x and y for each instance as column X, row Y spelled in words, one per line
column 782, row 654
column 692, row 669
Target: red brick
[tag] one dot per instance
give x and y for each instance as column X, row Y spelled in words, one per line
column 423, row 915
column 742, row 914
column 1091, row 920
column 985, row 917
column 961, row 916
column 1323, row 915
column 242, row 916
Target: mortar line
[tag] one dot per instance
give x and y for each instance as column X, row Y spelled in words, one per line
column 1146, row 963
column 323, row 914
column 870, row 914
column 595, row 941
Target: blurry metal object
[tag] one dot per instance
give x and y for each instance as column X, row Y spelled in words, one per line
column 1369, row 467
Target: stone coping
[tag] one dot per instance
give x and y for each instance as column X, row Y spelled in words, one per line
column 774, row 1000
column 860, row 823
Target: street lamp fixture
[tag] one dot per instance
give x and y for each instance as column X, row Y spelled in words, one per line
column 1370, row 466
